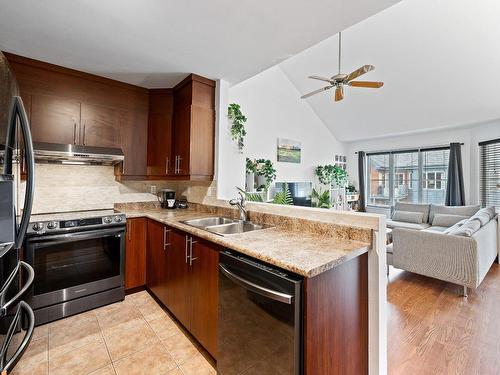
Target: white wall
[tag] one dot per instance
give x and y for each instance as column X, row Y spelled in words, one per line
column 470, row 135
column 274, row 109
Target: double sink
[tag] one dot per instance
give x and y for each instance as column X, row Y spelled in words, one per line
column 223, row 226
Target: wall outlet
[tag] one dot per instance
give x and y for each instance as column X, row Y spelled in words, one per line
column 153, row 189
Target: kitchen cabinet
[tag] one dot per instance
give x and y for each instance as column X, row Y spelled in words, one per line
column 135, row 253
column 100, row 126
column 159, row 151
column 156, row 264
column 134, row 146
column 55, row 119
column 182, row 131
column 183, row 274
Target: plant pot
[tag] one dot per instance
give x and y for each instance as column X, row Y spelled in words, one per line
column 250, row 182
column 261, row 180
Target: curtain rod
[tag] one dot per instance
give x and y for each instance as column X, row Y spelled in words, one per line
column 409, row 149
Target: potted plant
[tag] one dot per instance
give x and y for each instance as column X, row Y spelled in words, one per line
column 266, row 174
column 284, row 196
column 238, row 120
column 251, row 168
column 321, row 199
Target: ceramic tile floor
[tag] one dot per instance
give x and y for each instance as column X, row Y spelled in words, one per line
column 132, row 337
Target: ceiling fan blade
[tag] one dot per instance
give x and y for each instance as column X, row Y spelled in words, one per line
column 321, row 78
column 316, row 92
column 358, row 72
column 339, row 93
column 368, row 84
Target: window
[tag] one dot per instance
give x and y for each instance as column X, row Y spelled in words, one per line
column 489, row 173
column 416, row 176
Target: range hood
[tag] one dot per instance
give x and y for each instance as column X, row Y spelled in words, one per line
column 76, row 154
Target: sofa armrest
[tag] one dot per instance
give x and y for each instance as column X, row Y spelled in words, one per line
column 442, row 256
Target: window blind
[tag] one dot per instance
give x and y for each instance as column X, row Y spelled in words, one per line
column 489, row 172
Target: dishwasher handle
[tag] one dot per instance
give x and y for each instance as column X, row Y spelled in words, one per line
column 263, row 291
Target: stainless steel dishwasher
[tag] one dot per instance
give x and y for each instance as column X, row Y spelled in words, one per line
column 260, row 324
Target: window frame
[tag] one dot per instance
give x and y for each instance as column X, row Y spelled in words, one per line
column 392, row 174
column 484, row 177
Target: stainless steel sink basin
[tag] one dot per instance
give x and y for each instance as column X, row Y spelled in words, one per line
column 234, row 228
column 208, row 222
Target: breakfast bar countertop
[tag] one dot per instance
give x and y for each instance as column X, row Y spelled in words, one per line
column 305, row 253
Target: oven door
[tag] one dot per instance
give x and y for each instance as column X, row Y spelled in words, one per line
column 72, row 265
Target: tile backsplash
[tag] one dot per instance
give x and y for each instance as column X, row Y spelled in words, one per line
column 61, row 188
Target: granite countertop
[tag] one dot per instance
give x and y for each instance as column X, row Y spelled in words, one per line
column 306, row 254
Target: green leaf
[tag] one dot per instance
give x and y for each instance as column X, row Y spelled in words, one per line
column 284, row 196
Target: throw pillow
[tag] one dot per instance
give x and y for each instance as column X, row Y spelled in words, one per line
column 447, row 220
column 408, row 217
column 470, row 227
column 484, row 215
column 457, row 225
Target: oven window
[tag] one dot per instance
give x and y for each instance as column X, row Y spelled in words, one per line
column 68, row 264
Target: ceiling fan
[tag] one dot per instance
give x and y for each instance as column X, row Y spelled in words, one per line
column 340, row 80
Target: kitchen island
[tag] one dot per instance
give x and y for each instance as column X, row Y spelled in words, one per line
column 333, row 258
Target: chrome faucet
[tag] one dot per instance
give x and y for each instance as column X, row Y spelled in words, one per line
column 240, row 203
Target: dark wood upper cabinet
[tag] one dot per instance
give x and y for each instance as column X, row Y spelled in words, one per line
column 72, row 107
column 100, row 126
column 55, row 119
column 194, row 128
column 135, row 253
column 161, row 103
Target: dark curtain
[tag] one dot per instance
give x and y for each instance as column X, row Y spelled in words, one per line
column 361, row 179
column 455, row 193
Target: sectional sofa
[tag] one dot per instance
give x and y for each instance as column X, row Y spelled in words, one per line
column 453, row 244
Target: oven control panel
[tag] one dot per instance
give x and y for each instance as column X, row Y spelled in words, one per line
column 43, row 227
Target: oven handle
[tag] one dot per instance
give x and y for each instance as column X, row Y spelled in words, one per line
column 69, row 237
column 31, row 276
column 263, row 291
column 7, row 365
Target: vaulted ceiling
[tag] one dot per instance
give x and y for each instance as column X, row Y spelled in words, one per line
column 439, row 60
column 155, row 43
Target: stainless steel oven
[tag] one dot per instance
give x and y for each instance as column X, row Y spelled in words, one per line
column 77, row 267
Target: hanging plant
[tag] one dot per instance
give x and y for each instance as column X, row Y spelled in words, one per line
column 266, row 168
column 238, row 120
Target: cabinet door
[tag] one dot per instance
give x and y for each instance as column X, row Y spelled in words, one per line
column 55, row 119
column 100, row 126
column 160, row 161
column 181, row 140
column 156, row 260
column 134, row 143
column 204, row 294
column 135, row 253
column 178, row 278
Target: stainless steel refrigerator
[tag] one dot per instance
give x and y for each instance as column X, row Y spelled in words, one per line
column 16, row 317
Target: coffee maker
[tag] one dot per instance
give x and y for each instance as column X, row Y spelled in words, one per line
column 167, row 198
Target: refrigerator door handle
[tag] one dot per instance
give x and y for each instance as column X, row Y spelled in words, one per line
column 6, row 365
column 30, row 166
column 4, row 306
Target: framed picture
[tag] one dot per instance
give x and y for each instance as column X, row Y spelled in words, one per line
column 336, row 158
column 289, row 151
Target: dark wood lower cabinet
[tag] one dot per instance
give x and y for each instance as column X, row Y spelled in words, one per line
column 188, row 288
column 135, row 253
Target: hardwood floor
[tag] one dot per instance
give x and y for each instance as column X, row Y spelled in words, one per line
column 433, row 330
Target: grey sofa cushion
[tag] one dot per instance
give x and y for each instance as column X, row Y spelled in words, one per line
column 457, row 225
column 408, row 216
column 447, row 220
column 436, row 228
column 484, row 215
column 414, row 207
column 467, row 229
column 401, row 224
column 453, row 210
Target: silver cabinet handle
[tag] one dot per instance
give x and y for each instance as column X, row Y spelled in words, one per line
column 187, row 241
column 84, row 134
column 74, row 134
column 167, row 162
column 191, row 252
column 179, row 167
column 166, row 237
column 263, row 291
